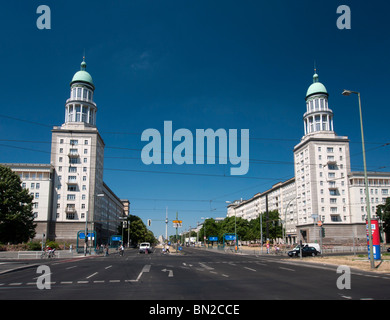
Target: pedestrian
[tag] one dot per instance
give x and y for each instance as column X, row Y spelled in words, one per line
column 106, row 250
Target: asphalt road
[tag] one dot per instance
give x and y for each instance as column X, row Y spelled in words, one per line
column 194, row 275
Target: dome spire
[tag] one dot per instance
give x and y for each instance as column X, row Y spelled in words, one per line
column 83, row 64
column 315, row 76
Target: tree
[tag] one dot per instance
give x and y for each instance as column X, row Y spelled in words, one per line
column 212, row 229
column 138, row 231
column 16, row 216
column 383, row 212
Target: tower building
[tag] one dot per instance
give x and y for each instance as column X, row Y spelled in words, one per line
column 324, row 191
column 322, row 164
column 81, row 197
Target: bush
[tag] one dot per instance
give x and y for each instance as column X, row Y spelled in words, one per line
column 53, row 245
column 34, row 246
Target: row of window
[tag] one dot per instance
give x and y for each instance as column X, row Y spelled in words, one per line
column 72, row 215
column 317, row 104
column 84, row 93
column 385, row 192
column 73, row 142
column 33, row 185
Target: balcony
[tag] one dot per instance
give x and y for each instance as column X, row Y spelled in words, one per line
column 70, row 210
column 73, row 154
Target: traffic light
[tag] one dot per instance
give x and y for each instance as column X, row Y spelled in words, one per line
column 323, row 232
column 149, row 222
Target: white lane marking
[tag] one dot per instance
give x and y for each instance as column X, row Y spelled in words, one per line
column 288, row 269
column 250, row 269
column 90, row 276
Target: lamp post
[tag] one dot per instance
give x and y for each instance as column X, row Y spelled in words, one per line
column 285, row 218
column 347, row 93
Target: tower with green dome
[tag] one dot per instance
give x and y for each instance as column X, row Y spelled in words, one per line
column 80, row 107
column 322, row 166
column 318, row 116
column 78, row 156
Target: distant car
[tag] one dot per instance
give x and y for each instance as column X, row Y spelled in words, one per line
column 145, row 246
column 306, row 251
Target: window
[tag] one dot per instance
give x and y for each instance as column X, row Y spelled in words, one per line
column 72, row 188
column 329, row 149
column 335, row 218
column 71, row 197
column 74, row 142
column 70, row 215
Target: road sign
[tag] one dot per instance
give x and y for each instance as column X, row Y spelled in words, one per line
column 177, row 223
column 319, row 223
column 230, row 237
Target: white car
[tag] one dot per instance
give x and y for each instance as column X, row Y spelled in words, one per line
column 145, row 246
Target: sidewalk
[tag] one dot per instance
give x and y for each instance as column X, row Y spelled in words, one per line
column 19, row 260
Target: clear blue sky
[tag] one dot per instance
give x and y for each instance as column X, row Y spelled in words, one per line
column 201, row 64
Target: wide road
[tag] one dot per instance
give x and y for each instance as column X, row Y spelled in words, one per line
column 195, row 274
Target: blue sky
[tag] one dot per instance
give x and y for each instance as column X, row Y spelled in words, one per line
column 200, row 64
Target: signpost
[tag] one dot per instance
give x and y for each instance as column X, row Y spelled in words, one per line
column 91, row 238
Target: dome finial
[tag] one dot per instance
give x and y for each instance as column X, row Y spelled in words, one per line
column 315, row 76
column 83, row 65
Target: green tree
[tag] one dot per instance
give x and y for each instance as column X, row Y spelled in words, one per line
column 16, row 216
column 233, row 224
column 138, row 231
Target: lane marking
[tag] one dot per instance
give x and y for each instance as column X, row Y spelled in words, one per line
column 250, row 269
column 288, row 269
column 90, row 276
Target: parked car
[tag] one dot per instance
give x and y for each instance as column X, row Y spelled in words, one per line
column 306, row 251
column 314, row 245
column 145, row 246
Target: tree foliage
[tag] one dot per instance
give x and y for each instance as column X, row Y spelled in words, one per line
column 16, row 216
column 138, row 231
column 246, row 230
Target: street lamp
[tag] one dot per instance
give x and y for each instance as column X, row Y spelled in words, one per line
column 285, row 218
column 347, row 93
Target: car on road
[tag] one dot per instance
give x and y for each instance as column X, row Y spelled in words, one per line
column 145, row 246
column 306, row 251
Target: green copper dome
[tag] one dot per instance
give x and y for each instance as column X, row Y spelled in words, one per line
column 83, row 75
column 316, row 87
